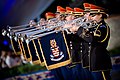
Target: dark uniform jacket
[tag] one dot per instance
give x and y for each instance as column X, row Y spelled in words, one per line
column 94, row 44
column 73, row 41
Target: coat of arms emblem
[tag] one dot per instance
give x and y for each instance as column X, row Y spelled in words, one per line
column 56, row 53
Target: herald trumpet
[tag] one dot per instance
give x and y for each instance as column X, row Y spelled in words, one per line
column 57, row 25
column 90, row 24
column 4, row 32
column 85, row 25
column 28, row 39
column 9, row 28
column 27, row 26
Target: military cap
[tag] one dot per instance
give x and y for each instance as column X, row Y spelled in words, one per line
column 78, row 11
column 69, row 10
column 97, row 9
column 49, row 15
column 60, row 10
column 86, row 7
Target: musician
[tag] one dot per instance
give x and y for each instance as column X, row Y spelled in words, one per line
column 84, row 46
column 74, row 45
column 70, row 37
column 60, row 13
column 86, row 11
column 42, row 23
column 49, row 16
column 62, row 73
column 97, row 57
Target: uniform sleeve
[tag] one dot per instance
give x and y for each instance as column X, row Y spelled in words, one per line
column 87, row 36
column 101, row 33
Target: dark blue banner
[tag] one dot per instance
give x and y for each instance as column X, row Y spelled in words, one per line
column 36, row 44
column 31, row 47
column 55, row 50
column 15, row 46
column 25, row 50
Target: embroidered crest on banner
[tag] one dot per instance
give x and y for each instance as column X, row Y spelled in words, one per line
column 56, row 55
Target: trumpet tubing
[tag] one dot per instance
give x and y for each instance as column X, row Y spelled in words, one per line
column 16, row 27
column 27, row 31
column 23, row 29
column 44, row 34
column 56, row 26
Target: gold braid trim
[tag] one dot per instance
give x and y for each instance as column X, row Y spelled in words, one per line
column 95, row 34
column 106, row 35
column 103, row 75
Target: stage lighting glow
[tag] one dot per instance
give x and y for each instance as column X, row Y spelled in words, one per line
column 5, row 42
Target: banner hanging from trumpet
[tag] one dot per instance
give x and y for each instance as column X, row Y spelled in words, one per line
column 55, row 51
column 36, row 43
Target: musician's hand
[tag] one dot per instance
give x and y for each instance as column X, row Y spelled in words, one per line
column 74, row 28
column 32, row 23
column 67, row 25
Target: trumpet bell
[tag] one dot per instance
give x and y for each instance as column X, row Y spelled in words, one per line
column 4, row 32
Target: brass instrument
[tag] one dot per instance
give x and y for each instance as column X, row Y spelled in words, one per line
column 31, row 33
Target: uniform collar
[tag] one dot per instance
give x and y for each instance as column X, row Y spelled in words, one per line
column 102, row 21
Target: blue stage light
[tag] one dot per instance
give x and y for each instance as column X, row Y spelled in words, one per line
column 5, row 42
